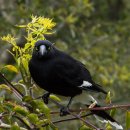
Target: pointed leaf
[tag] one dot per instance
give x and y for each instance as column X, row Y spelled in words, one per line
column 53, row 127
column 113, row 112
column 21, row 110
column 11, row 68
column 27, row 99
column 42, row 122
column 109, row 127
column 128, row 120
column 4, row 86
column 84, row 127
column 15, row 127
column 43, row 108
column 108, row 98
column 55, row 98
column 33, row 118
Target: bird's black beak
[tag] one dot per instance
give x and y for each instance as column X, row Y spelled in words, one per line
column 42, row 50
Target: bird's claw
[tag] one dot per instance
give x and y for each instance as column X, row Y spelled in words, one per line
column 45, row 98
column 64, row 111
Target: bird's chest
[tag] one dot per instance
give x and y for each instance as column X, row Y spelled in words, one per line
column 41, row 72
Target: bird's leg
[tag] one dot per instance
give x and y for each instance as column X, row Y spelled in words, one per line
column 45, row 97
column 69, row 102
column 64, row 110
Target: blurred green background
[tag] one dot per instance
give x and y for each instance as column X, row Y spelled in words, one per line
column 96, row 32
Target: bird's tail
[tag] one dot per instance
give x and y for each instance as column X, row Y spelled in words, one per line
column 107, row 118
column 101, row 113
column 98, row 88
column 111, row 121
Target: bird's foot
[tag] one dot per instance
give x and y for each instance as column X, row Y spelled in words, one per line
column 64, row 111
column 45, row 97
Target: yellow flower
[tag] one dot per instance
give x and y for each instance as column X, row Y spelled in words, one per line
column 8, row 38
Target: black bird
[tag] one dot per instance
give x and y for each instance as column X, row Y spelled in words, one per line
column 59, row 73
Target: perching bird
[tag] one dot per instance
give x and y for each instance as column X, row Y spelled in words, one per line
column 59, row 73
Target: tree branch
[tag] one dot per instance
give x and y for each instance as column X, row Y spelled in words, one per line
column 109, row 107
column 15, row 90
column 104, row 108
column 68, row 119
column 70, row 111
column 21, row 120
column 14, row 115
column 76, row 116
column 6, row 126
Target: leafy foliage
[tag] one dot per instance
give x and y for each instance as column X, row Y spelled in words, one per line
column 28, row 110
column 36, row 29
column 95, row 32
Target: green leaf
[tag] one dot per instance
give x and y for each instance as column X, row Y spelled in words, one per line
column 43, row 108
column 42, row 122
column 113, row 112
column 27, row 45
column 108, row 126
column 11, row 68
column 19, row 61
column 21, row 26
column 4, row 86
column 33, row 118
column 40, row 107
column 9, row 106
column 84, row 127
column 1, row 108
column 53, row 126
column 108, row 98
column 25, row 63
column 42, row 128
column 21, row 110
column 15, row 127
column 55, row 98
column 127, row 120
column 27, row 99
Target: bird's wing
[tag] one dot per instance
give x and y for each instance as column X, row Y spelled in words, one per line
column 88, row 83
column 73, row 73
column 68, row 71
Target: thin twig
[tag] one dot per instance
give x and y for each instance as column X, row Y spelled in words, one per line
column 109, row 107
column 15, row 90
column 6, row 126
column 104, row 108
column 22, row 121
column 85, row 121
column 68, row 119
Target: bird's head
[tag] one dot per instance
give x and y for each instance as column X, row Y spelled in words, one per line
column 43, row 49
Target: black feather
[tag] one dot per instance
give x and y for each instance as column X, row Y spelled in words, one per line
column 102, row 113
